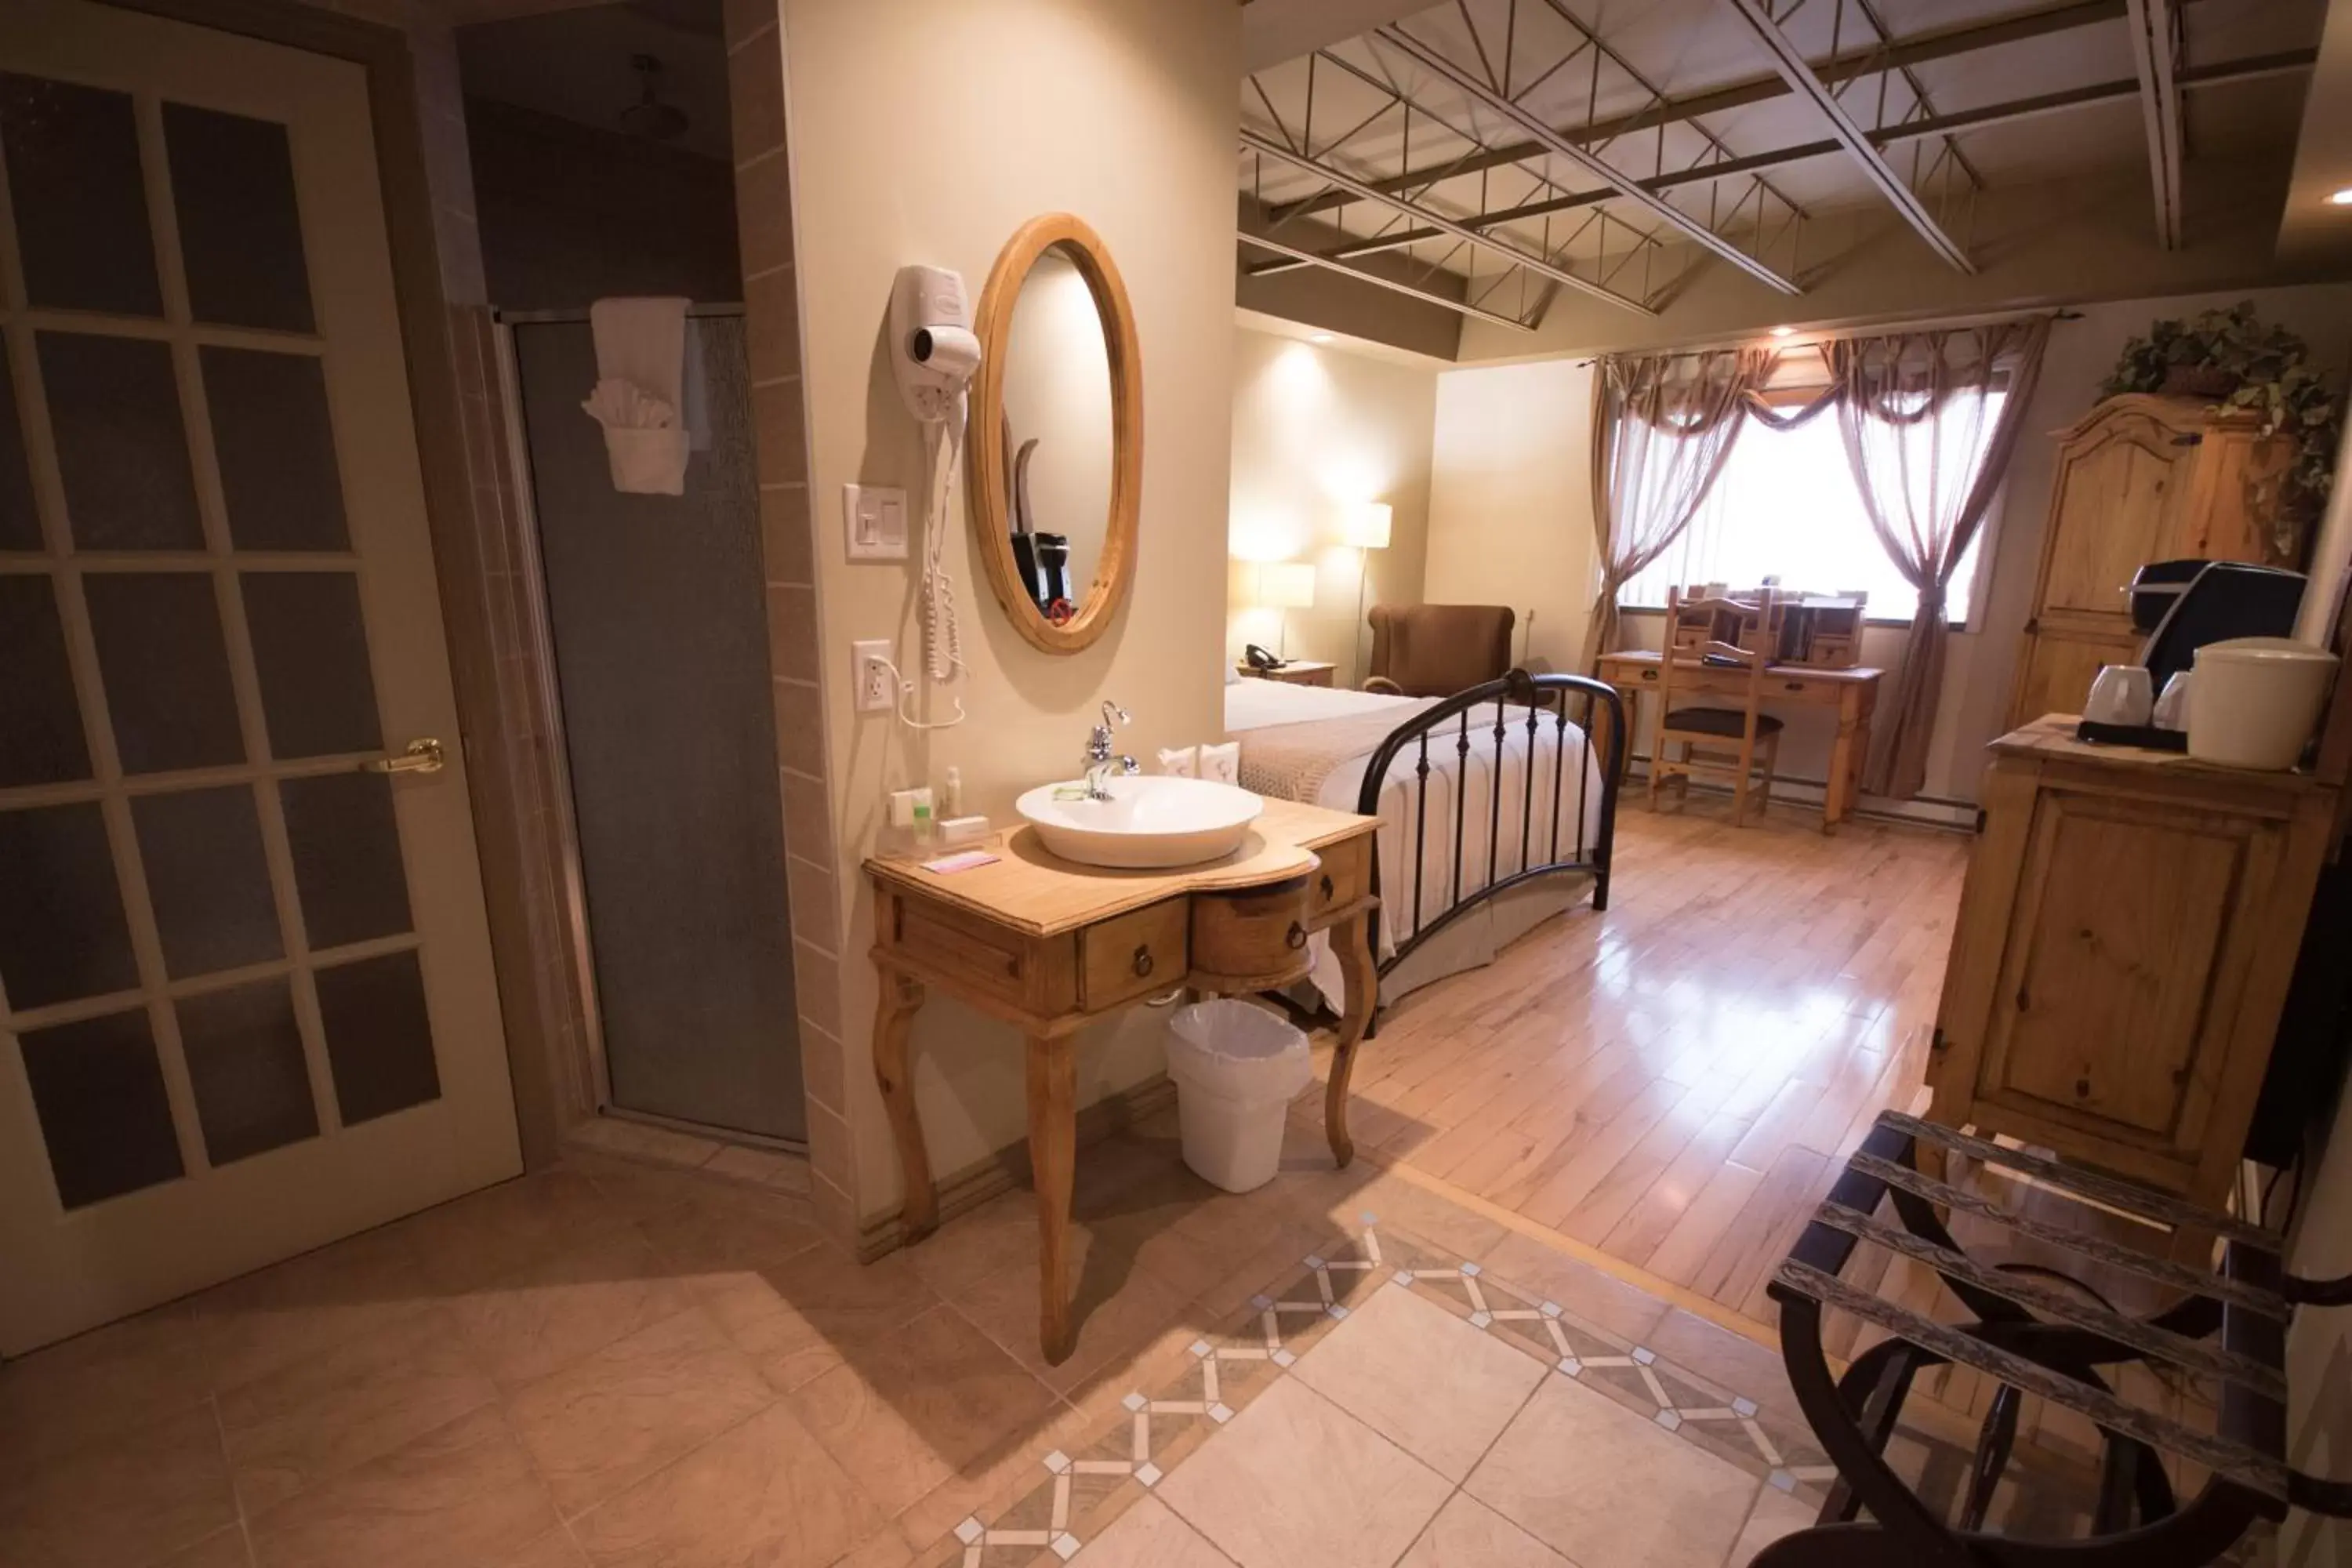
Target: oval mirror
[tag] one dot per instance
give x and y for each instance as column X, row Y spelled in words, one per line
column 1055, row 438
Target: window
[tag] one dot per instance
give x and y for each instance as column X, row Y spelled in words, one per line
column 1786, row 506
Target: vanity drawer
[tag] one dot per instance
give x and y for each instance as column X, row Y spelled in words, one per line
column 1254, row 939
column 966, row 948
column 1126, row 956
column 1346, row 875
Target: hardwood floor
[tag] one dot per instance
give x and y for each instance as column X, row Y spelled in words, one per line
column 1675, row 1082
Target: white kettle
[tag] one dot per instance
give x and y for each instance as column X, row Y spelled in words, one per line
column 2254, row 702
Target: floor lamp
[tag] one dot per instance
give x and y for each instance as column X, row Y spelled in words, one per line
column 1366, row 528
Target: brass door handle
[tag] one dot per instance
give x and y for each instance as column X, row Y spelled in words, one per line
column 423, row 756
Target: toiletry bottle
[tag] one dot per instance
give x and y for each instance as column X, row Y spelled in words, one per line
column 923, row 824
column 951, row 795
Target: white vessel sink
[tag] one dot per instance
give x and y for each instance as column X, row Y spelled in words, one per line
column 1147, row 823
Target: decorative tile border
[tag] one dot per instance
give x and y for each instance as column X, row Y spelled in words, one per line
column 1080, row 1494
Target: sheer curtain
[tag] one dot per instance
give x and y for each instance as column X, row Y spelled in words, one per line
column 1663, row 426
column 1929, row 439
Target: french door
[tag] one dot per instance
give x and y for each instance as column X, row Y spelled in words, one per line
column 247, row 1003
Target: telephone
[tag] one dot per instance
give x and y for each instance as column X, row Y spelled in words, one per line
column 933, row 356
column 1258, row 658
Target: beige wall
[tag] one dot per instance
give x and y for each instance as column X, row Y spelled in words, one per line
column 570, row 214
column 929, row 130
column 1511, row 514
column 1510, row 501
column 1314, row 429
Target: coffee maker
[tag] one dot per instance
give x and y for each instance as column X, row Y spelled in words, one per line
column 2184, row 605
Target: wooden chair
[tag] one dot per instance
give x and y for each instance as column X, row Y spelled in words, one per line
column 1734, row 742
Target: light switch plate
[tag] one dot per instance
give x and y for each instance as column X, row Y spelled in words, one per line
column 875, row 517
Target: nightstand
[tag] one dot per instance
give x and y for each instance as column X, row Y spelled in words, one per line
column 1297, row 673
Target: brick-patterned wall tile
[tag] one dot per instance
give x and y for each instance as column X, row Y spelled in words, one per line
column 808, row 817
column 763, row 214
column 820, row 1066
column 800, row 728
column 779, row 431
column 772, row 315
column 792, row 631
column 785, row 540
column 816, row 981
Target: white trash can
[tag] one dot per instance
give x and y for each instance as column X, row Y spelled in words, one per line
column 1236, row 1068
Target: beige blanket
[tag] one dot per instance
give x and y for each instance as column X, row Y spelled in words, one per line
column 1291, row 762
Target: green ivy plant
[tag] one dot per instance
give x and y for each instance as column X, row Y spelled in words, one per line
column 2229, row 356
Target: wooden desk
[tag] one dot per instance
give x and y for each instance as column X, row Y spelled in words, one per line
column 1852, row 691
column 1048, row 947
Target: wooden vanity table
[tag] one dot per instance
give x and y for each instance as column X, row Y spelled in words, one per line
column 1049, row 947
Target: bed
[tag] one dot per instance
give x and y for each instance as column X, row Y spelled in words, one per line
column 1496, row 811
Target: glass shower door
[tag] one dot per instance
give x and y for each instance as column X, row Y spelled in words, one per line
column 656, row 607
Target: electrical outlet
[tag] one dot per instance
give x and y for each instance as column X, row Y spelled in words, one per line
column 870, row 662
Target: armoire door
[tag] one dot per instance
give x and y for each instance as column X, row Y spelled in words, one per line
column 247, row 1003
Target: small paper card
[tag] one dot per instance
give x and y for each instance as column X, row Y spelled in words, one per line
column 946, row 865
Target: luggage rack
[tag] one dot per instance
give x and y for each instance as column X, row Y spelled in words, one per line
column 2034, row 1337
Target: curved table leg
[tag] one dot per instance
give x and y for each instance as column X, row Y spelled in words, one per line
column 1053, row 1161
column 1352, row 938
column 894, row 1020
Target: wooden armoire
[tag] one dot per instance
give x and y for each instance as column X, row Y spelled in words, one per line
column 2138, row 478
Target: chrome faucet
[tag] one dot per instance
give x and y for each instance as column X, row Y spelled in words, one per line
column 1099, row 760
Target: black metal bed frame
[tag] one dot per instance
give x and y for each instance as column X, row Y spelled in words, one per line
column 1540, row 696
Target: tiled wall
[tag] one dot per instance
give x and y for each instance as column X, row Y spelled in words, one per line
column 763, row 218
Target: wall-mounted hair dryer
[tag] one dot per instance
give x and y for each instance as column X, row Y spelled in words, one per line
column 933, row 349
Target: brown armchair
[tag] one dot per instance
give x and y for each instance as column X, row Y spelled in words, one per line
column 1436, row 651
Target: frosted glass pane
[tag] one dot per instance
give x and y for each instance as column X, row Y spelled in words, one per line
column 347, row 861
column 105, row 1119
column 82, row 207
column 244, row 1050
column 277, row 450
column 62, row 934
column 123, row 449
column 310, row 646
column 40, row 722
column 165, row 668
column 206, row 879
column 240, row 235
column 379, row 1039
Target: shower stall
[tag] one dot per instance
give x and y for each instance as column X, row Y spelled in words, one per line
column 656, row 613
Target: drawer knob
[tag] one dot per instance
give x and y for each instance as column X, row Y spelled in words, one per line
column 1793, row 686
column 1143, row 959
column 1297, row 936
column 2081, row 1089
column 1326, row 884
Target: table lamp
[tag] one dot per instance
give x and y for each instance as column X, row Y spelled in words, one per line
column 1285, row 585
column 1366, row 526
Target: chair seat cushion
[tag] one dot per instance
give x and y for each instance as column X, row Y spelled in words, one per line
column 1726, row 721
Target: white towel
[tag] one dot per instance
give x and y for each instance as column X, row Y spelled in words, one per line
column 1222, row 764
column 639, row 396
column 1179, row 762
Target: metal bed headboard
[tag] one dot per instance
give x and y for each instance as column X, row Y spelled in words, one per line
column 1547, row 700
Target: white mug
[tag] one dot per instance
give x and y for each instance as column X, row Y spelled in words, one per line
column 2173, row 703
column 2123, row 694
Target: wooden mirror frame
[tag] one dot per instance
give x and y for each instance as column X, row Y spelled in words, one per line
column 984, row 449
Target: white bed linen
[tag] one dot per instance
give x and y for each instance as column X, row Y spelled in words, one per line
column 1259, row 704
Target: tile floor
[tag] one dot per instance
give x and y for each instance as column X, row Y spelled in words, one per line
column 617, row 1364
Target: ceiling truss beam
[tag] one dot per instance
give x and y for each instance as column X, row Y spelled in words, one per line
column 1800, row 76
column 1437, row 222
column 1434, row 61
column 2155, row 27
column 1306, row 257
column 1894, row 56
column 2250, row 68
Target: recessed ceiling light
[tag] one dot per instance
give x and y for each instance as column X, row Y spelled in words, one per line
column 1782, row 331
column 1326, row 337
column 2342, row 198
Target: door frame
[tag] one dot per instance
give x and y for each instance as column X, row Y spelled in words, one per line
column 453, row 394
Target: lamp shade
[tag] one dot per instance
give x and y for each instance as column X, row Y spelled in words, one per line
column 1286, row 584
column 1367, row 525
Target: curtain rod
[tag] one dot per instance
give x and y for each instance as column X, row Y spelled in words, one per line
column 580, row 318
column 1947, row 323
